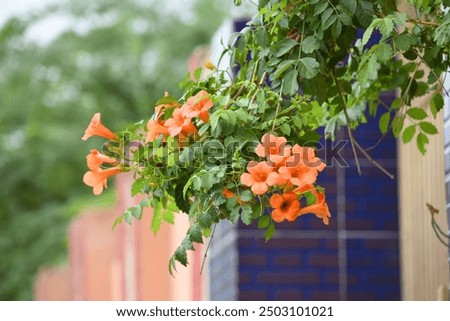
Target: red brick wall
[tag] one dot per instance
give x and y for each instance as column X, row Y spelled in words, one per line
column 129, row 263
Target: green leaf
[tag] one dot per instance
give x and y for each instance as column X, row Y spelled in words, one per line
column 264, row 221
column 290, row 84
column 246, row 196
column 166, row 100
column 400, row 17
column 350, row 5
column 285, row 46
column 138, row 185
column 282, row 67
column 204, row 219
column 261, row 37
column 336, row 30
column 187, row 244
column 421, row 141
column 207, row 180
column 367, row 34
column 198, row 73
column 386, row 27
column 384, row 52
column 310, row 198
column 310, row 44
column 309, row 67
column 118, row 221
column 408, row 134
column 172, row 266
column 195, row 233
column 364, row 13
column 145, row 202
column 207, row 232
column 383, row 123
column 396, row 104
column 328, row 19
column 270, row 232
column 436, row 104
column 397, row 125
column 428, row 127
column 137, row 211
column 326, row 15
column 319, row 8
column 182, row 203
column 203, row 129
column 286, row 129
column 235, row 214
column 181, row 255
column 157, row 218
column 128, row 217
column 416, row 113
column 403, row 41
column 169, row 216
column 246, row 215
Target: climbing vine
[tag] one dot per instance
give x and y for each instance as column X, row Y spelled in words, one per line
column 239, row 143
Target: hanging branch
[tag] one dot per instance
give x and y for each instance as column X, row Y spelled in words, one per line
column 440, row 234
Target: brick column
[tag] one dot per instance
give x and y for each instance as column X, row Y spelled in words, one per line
column 53, row 284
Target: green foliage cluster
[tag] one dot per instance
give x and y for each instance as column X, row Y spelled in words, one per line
column 301, row 66
column 119, row 56
column 200, row 174
column 313, row 45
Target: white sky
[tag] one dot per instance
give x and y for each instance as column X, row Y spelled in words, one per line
column 14, row 7
column 43, row 31
column 47, row 29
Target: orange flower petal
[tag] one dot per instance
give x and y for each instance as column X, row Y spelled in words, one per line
column 96, row 128
column 277, row 215
column 227, row 193
column 155, row 128
column 98, row 179
column 275, row 179
column 276, row 200
column 260, row 150
column 204, row 116
column 247, row 179
column 290, row 196
column 95, row 159
column 259, row 188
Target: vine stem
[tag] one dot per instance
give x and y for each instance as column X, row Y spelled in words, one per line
column 374, row 162
column 278, row 109
column 425, row 23
column 263, row 78
column 353, row 141
column 349, row 130
column 207, row 249
column 403, row 99
column 436, row 229
column 439, row 80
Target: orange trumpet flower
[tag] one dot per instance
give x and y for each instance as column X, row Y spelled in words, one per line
column 96, row 128
column 302, row 167
column 285, row 206
column 98, row 179
column 259, row 177
column 155, row 128
column 198, row 106
column 95, row 159
column 305, row 156
column 319, row 208
column 179, row 124
column 275, row 149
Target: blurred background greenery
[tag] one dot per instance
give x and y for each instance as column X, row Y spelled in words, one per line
column 117, row 57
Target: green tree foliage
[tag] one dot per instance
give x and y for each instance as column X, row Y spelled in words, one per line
column 117, row 60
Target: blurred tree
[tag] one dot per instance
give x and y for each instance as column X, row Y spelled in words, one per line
column 117, row 58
